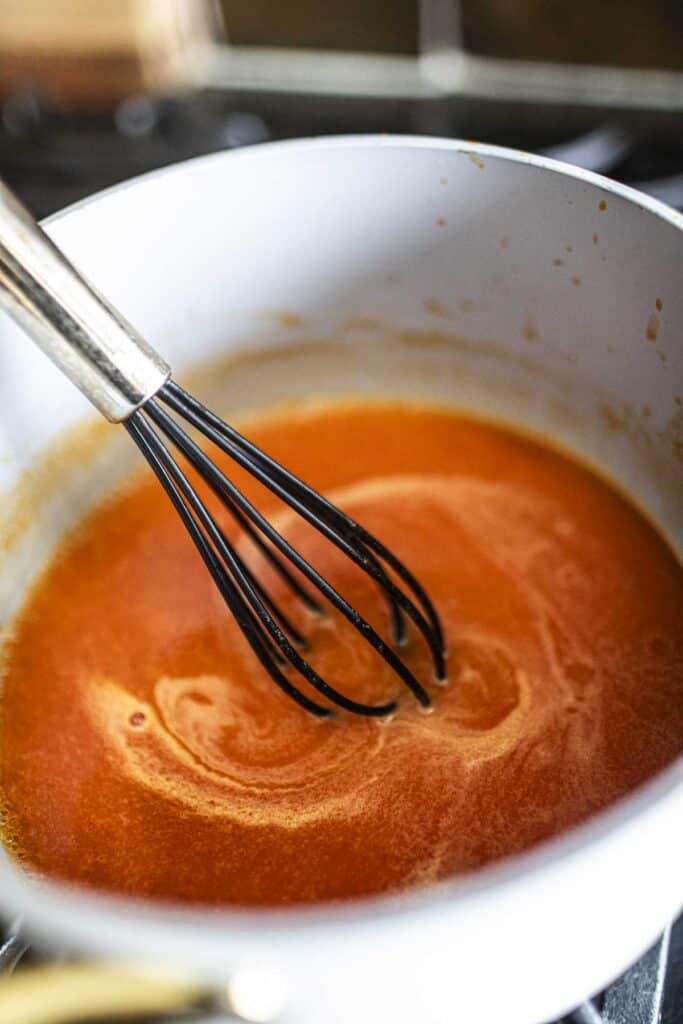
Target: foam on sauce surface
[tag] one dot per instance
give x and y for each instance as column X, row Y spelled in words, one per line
column 143, row 750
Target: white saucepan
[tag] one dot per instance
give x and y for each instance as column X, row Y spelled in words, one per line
column 522, row 288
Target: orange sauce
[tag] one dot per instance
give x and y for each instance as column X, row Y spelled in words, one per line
column 143, row 750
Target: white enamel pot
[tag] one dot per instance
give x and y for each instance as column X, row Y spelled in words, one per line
column 551, row 279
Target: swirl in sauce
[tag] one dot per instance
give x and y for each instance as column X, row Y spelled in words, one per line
column 150, row 754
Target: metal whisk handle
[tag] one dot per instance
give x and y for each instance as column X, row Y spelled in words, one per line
column 100, row 352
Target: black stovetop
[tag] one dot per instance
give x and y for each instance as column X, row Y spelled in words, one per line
column 52, row 159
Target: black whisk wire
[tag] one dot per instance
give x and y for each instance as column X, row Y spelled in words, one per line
column 159, row 459
column 338, row 527
column 268, row 630
column 220, row 483
column 129, row 383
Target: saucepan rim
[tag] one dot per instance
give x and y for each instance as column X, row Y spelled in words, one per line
column 95, row 908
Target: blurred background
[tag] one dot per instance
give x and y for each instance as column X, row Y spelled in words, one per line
column 95, row 91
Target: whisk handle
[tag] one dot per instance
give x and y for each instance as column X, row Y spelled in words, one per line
column 74, row 325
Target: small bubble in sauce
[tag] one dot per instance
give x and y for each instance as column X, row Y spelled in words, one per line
column 137, row 719
column 564, row 528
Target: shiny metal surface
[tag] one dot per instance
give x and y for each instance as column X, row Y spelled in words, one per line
column 88, row 340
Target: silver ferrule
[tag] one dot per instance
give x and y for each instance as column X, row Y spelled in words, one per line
column 74, row 325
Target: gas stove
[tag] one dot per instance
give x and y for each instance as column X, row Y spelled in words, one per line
column 53, row 160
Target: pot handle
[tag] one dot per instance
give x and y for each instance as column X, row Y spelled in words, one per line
column 66, row 994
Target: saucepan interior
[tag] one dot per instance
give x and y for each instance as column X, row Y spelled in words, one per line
column 492, row 281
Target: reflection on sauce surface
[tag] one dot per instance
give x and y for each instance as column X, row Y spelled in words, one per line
column 144, row 751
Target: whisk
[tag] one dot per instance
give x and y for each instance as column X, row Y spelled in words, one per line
column 129, row 383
